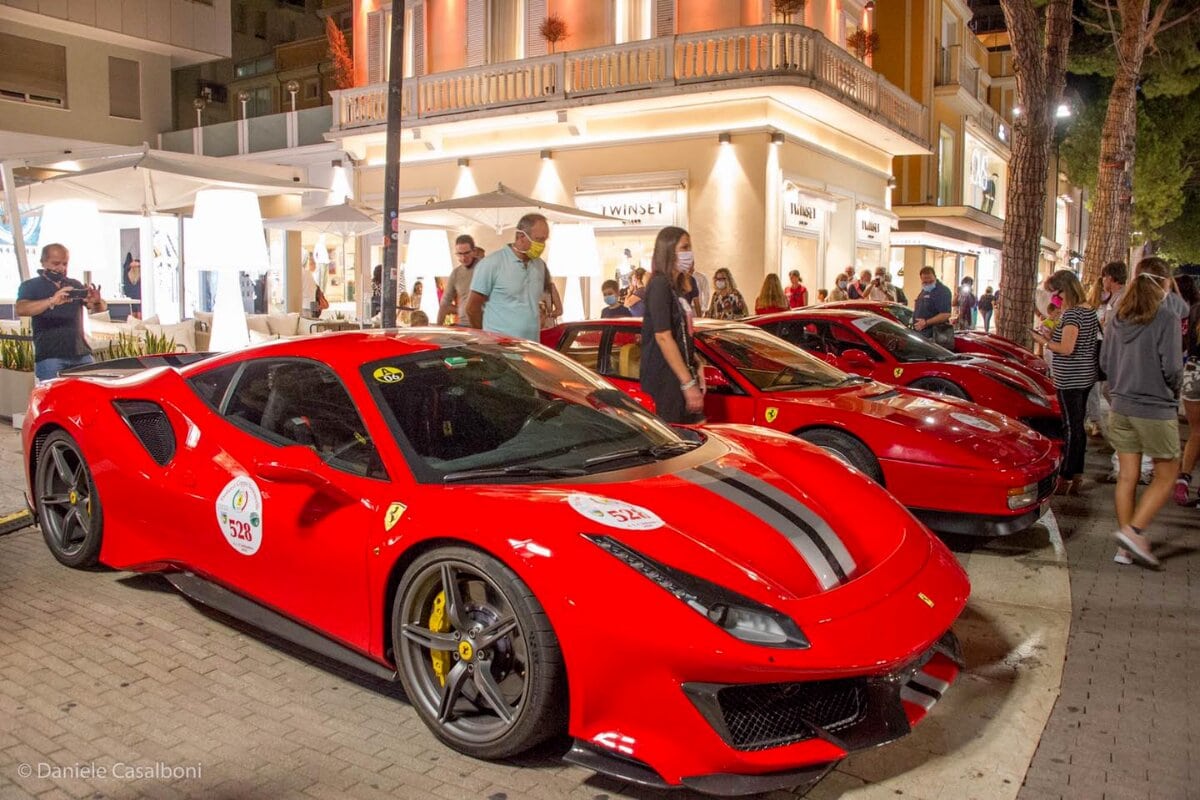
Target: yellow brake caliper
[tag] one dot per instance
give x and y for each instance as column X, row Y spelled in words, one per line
column 439, row 623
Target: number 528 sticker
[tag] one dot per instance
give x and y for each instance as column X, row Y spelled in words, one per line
column 239, row 514
column 614, row 513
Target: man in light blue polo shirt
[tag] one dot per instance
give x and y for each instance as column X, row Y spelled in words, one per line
column 508, row 284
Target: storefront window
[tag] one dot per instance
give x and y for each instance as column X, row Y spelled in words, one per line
column 799, row 253
column 867, row 257
column 896, row 265
column 984, row 184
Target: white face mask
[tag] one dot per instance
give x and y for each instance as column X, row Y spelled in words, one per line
column 685, row 259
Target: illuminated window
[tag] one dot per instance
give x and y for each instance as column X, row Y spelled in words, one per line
column 506, row 30
column 632, row 20
column 379, row 45
column 945, row 195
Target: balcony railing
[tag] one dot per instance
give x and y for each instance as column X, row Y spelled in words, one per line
column 955, row 70
column 253, row 135
column 687, row 59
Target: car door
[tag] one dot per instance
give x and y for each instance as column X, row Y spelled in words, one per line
column 725, row 399
column 291, row 488
column 622, row 362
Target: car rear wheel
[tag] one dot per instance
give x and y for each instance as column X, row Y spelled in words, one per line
column 847, row 449
column 67, row 504
column 941, row 386
column 477, row 655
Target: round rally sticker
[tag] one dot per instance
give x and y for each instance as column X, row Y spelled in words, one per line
column 239, row 513
column 976, row 422
column 389, row 374
column 614, row 513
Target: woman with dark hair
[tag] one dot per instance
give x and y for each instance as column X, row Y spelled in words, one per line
column 1144, row 364
column 1075, row 344
column 670, row 371
column 131, row 277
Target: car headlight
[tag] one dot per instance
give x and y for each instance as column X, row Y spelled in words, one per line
column 737, row 615
column 1022, row 496
column 1036, row 399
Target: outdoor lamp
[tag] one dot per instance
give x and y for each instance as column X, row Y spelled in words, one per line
column 228, row 240
column 572, row 253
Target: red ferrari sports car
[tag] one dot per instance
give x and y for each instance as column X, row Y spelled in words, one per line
column 868, row 344
column 958, row 467
column 975, row 342
column 482, row 519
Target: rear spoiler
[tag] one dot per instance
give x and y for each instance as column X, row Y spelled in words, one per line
column 122, row 367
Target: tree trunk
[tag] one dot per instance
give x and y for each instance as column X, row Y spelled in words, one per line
column 1039, row 62
column 1112, row 204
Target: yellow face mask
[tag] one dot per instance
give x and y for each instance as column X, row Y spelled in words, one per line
column 536, row 249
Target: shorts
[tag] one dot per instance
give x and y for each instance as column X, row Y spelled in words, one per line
column 1190, row 390
column 1157, row 438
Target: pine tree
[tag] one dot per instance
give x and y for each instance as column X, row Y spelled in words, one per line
column 339, row 54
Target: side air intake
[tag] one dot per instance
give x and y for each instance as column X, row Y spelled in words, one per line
column 150, row 425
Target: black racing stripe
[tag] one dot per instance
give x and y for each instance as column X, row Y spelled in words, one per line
column 783, row 510
column 925, row 690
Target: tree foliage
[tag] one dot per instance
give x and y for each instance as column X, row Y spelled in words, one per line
column 339, row 54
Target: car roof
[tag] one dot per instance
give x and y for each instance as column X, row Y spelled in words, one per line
column 821, row 312
column 353, row 348
column 702, row 323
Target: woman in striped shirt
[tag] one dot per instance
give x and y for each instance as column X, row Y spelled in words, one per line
column 1075, row 345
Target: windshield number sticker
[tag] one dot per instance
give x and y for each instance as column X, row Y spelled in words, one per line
column 975, row 422
column 239, row 515
column 389, row 375
column 614, row 513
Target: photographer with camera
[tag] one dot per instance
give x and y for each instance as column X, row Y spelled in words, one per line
column 54, row 302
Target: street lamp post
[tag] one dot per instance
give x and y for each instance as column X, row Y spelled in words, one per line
column 293, row 86
column 199, row 103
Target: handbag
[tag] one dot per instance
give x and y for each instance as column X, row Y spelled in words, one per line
column 322, row 302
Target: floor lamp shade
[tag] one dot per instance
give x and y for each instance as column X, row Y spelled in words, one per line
column 572, row 254
column 229, row 231
column 75, row 224
column 428, row 258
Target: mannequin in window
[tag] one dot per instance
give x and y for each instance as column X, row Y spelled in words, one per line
column 131, row 277
column 989, row 194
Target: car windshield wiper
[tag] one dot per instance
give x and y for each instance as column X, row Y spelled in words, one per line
column 514, row 471
column 851, row 380
column 656, row 452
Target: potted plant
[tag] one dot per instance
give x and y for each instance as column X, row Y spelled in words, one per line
column 553, row 29
column 790, row 8
column 863, row 43
column 16, row 375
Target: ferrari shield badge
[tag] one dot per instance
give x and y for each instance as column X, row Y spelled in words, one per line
column 614, row 513
column 239, row 513
column 394, row 513
column 897, row 372
column 388, row 375
column 771, row 413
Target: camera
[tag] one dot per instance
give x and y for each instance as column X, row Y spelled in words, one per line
column 78, row 294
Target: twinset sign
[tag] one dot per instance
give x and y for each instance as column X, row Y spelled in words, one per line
column 868, row 227
column 799, row 214
column 652, row 208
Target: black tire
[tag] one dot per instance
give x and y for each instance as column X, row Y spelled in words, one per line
column 941, row 386
column 524, row 662
column 68, row 506
column 847, row 449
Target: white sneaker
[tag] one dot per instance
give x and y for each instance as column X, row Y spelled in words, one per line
column 1123, row 557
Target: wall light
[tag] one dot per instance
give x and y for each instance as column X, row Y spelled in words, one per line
column 547, row 155
column 1063, row 111
column 725, row 138
column 464, row 162
column 892, row 182
column 777, row 137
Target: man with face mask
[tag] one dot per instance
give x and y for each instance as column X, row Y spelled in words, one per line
column 508, row 285
column 458, row 286
column 56, row 303
column 931, row 309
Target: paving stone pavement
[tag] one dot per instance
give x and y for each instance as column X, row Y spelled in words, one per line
column 1124, row 726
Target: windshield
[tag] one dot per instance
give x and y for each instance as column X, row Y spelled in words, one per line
column 901, row 343
column 770, row 363
column 515, row 409
column 903, row 314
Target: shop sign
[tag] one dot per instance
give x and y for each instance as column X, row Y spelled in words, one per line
column 868, row 227
column 649, row 208
column 800, row 214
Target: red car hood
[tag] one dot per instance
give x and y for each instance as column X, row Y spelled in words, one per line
column 997, row 368
column 989, row 437
column 736, row 523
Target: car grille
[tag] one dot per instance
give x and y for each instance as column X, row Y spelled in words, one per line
column 770, row 715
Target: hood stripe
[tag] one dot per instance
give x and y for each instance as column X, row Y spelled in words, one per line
column 823, row 568
column 812, row 524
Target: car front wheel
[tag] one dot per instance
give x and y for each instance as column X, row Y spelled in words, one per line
column 67, row 504
column 477, row 655
column 847, row 449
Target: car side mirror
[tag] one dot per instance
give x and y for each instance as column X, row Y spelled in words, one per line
column 300, row 464
column 715, row 380
column 857, row 359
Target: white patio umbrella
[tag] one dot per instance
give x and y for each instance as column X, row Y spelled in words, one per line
column 498, row 210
